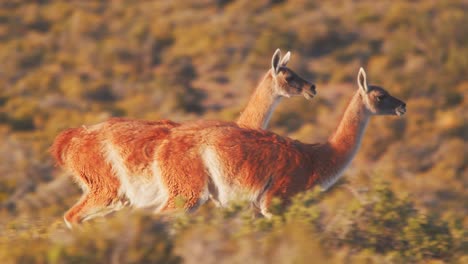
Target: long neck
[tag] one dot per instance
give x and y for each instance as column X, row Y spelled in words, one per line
column 347, row 137
column 261, row 105
column 344, row 142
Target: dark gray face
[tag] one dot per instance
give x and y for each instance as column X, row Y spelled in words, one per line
column 288, row 83
column 291, row 84
column 382, row 103
column 377, row 100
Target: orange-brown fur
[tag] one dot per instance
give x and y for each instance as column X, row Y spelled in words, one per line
column 137, row 139
column 60, row 144
column 79, row 150
column 85, row 167
column 260, row 102
column 82, row 150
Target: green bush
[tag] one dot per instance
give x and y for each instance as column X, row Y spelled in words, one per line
column 388, row 224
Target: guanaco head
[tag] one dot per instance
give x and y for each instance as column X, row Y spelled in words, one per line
column 377, row 100
column 287, row 82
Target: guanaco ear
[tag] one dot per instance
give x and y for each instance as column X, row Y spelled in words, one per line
column 362, row 81
column 285, row 59
column 275, row 61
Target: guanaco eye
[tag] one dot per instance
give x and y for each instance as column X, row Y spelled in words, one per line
column 381, row 97
column 289, row 78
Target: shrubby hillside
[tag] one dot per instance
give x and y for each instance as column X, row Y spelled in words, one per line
column 68, row 63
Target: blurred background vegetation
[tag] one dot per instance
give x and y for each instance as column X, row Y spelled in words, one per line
column 404, row 198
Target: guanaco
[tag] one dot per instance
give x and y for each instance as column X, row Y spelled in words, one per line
column 114, row 163
column 226, row 162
